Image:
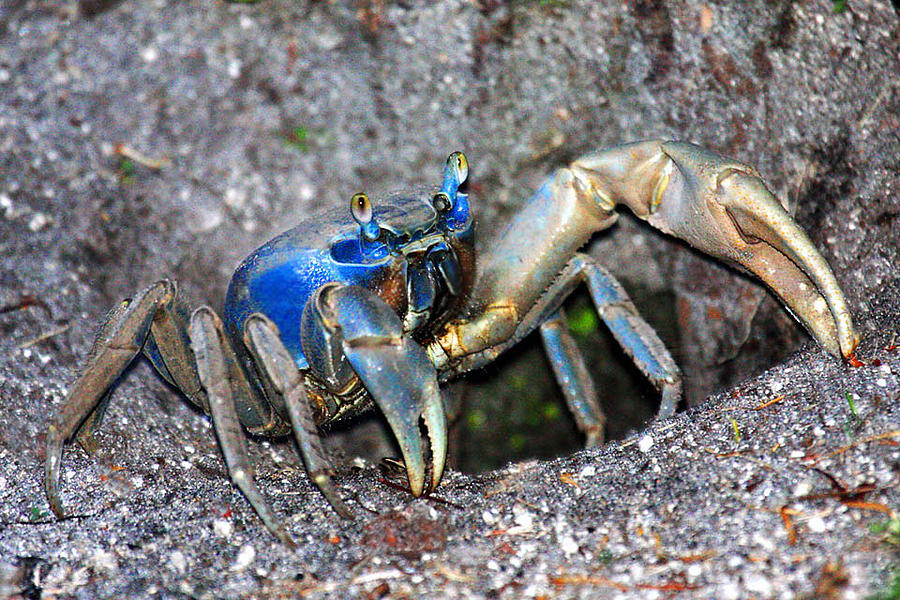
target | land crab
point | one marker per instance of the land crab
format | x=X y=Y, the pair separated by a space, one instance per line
x=385 y=303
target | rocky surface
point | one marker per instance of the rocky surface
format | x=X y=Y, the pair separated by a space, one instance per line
x=148 y=139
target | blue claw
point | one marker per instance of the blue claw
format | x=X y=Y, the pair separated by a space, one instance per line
x=397 y=374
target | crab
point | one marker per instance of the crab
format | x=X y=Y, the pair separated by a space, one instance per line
x=383 y=304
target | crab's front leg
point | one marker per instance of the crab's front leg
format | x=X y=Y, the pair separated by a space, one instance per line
x=724 y=208
x=531 y=269
x=718 y=206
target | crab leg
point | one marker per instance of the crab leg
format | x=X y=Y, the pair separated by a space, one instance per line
x=723 y=208
x=213 y=356
x=718 y=206
x=394 y=369
x=574 y=379
x=262 y=338
x=120 y=339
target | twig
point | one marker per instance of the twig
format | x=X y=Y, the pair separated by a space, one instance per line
x=44 y=336
x=880 y=436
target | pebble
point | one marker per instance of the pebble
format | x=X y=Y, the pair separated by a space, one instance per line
x=149 y=54
x=568 y=545
x=758 y=583
x=645 y=443
x=178 y=561
x=816 y=525
x=803 y=488
x=244 y=558
x=223 y=528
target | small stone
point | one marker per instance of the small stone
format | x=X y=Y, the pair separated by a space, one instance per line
x=244 y=558
x=568 y=545
x=759 y=584
x=38 y=221
x=803 y=488
x=223 y=528
x=178 y=561
x=234 y=68
x=104 y=561
x=524 y=520
x=645 y=443
x=816 y=525
x=149 y=54
x=729 y=591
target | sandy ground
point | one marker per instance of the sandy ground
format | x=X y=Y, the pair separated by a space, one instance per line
x=147 y=139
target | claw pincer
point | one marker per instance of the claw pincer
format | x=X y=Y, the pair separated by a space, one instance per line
x=380 y=305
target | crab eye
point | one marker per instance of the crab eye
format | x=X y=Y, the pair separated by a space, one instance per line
x=361 y=208
x=441 y=202
x=459 y=162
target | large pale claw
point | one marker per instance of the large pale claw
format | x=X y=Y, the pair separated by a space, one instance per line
x=399 y=377
x=723 y=208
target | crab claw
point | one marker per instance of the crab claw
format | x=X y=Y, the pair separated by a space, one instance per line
x=723 y=208
x=397 y=374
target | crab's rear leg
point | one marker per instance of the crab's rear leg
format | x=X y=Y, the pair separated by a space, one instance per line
x=633 y=333
x=220 y=376
x=119 y=340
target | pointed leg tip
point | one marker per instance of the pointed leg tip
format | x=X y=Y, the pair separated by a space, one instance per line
x=848 y=350
x=325 y=484
x=51 y=489
x=51 y=480
x=416 y=484
x=57 y=508
x=285 y=539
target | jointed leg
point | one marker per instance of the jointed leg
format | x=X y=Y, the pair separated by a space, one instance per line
x=573 y=377
x=210 y=347
x=262 y=339
x=120 y=339
x=636 y=337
